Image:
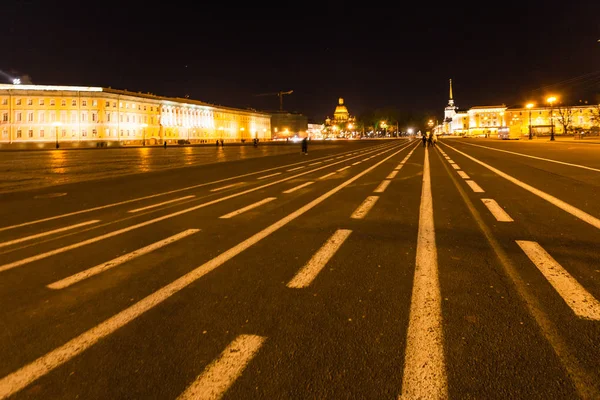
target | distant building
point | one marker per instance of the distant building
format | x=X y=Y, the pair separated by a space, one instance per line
x=92 y=116
x=288 y=125
x=342 y=121
x=315 y=131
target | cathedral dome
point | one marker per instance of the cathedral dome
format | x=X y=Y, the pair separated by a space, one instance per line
x=341 y=112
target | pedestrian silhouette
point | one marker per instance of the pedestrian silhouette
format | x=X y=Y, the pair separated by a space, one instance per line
x=305 y=146
x=424 y=139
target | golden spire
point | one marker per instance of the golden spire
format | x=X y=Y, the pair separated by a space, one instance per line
x=450 y=89
x=341 y=101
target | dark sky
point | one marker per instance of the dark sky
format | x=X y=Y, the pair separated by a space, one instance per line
x=374 y=57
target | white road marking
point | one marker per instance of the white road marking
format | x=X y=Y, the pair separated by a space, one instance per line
x=583 y=304
x=22 y=377
x=161 y=204
x=576 y=212
x=247 y=208
x=538 y=158
x=424 y=366
x=455 y=166
x=365 y=207
x=294 y=169
x=309 y=272
x=315 y=163
x=226 y=187
x=392 y=174
x=343 y=168
x=328 y=175
x=268 y=176
x=450 y=161
x=382 y=186
x=463 y=174
x=356 y=163
x=331 y=159
x=292 y=190
x=366 y=159
x=115 y=262
x=47 y=233
x=218 y=377
x=473 y=185
x=497 y=211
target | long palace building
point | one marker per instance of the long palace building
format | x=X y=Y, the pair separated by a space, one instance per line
x=96 y=116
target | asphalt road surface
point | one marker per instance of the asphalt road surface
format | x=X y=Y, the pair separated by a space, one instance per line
x=363 y=270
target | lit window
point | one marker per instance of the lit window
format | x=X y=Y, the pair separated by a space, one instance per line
x=4 y=134
x=30 y=117
x=84 y=133
x=63 y=102
x=64 y=133
x=94 y=103
x=19 y=133
x=4 y=117
x=18 y=102
x=73 y=102
x=19 y=117
x=29 y=102
x=52 y=102
x=4 y=102
x=94 y=133
x=107 y=104
x=41 y=133
x=84 y=103
x=41 y=102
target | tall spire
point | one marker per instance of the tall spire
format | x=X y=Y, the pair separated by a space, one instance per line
x=451 y=101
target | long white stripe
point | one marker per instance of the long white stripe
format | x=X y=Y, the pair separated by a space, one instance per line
x=365 y=207
x=382 y=186
x=424 y=366
x=161 y=204
x=247 y=208
x=497 y=211
x=47 y=233
x=583 y=304
x=268 y=176
x=576 y=212
x=19 y=379
x=392 y=175
x=309 y=272
x=327 y=175
x=292 y=190
x=223 y=372
x=537 y=158
x=115 y=262
x=473 y=185
x=41 y=256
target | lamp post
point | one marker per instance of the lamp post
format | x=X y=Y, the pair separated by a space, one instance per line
x=551 y=100
x=144 y=126
x=57 y=124
x=529 y=106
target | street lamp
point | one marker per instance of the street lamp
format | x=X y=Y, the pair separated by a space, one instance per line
x=529 y=106
x=551 y=100
x=57 y=124
x=144 y=126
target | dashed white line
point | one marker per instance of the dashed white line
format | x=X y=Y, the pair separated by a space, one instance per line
x=226 y=187
x=316 y=163
x=474 y=186
x=455 y=166
x=424 y=366
x=328 y=175
x=463 y=174
x=71 y=280
x=497 y=211
x=247 y=208
x=47 y=233
x=297 y=168
x=356 y=163
x=365 y=207
x=392 y=174
x=161 y=204
x=218 y=377
x=382 y=186
x=292 y=190
x=583 y=304
x=268 y=176
x=309 y=272
x=343 y=168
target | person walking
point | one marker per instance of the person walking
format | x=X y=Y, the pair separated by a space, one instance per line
x=434 y=139
x=305 y=146
x=424 y=139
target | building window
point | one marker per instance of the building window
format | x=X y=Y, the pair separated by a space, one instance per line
x=52 y=102
x=4 y=102
x=73 y=117
x=18 y=102
x=4 y=134
x=41 y=102
x=84 y=133
x=94 y=132
x=29 y=102
x=73 y=133
x=63 y=103
x=83 y=117
x=18 y=134
x=29 y=117
x=64 y=133
x=107 y=104
x=107 y=117
x=4 y=117
x=94 y=103
x=121 y=132
x=84 y=103
x=19 y=117
x=94 y=117
x=41 y=133
x=52 y=116
x=73 y=103
x=41 y=116
x=114 y=104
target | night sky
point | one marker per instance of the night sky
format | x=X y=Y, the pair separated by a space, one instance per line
x=399 y=57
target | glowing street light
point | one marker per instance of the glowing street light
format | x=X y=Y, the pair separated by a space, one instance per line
x=530 y=106
x=16 y=81
x=551 y=100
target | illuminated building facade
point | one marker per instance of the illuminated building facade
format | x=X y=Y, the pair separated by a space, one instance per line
x=342 y=120
x=105 y=116
x=287 y=125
